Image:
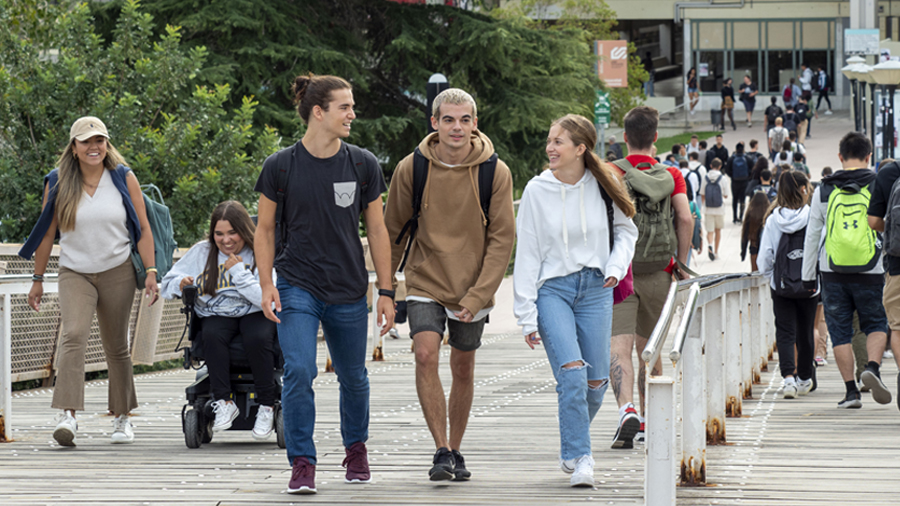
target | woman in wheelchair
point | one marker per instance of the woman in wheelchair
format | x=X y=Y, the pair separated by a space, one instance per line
x=228 y=301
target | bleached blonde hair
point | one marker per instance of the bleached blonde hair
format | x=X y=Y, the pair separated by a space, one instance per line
x=453 y=96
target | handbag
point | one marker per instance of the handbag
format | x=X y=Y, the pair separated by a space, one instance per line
x=163 y=238
x=728 y=104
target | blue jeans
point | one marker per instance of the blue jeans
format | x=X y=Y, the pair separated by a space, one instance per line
x=346 y=335
x=575 y=323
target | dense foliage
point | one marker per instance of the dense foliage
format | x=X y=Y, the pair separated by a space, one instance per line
x=179 y=136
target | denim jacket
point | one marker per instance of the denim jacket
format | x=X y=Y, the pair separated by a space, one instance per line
x=43 y=224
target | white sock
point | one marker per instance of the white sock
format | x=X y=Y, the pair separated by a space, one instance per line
x=789 y=381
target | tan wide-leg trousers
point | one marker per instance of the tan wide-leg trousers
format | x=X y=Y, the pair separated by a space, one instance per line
x=111 y=295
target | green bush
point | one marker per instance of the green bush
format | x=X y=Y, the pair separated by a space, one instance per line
x=174 y=133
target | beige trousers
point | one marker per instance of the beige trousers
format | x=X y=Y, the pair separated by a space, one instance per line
x=801 y=131
x=111 y=295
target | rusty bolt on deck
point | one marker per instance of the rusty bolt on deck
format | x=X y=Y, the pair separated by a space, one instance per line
x=748 y=391
x=691 y=479
x=2 y=430
x=329 y=367
x=378 y=354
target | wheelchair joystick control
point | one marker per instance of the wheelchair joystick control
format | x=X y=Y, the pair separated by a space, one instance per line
x=188 y=298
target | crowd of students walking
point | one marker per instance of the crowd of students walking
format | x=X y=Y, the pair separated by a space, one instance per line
x=598 y=245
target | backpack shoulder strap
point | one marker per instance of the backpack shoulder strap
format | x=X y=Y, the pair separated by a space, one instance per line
x=486 y=185
x=609 y=214
x=284 y=162
x=825 y=190
x=420 y=176
x=358 y=161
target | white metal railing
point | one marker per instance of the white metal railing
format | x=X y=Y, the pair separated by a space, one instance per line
x=722 y=342
x=29 y=339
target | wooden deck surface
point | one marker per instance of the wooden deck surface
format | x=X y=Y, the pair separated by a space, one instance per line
x=796 y=452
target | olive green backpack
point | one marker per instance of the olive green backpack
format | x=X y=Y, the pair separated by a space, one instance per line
x=651 y=191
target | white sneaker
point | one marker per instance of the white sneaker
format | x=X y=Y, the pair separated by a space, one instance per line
x=265 y=422
x=225 y=412
x=790 y=388
x=828 y=112
x=584 y=472
x=567 y=466
x=123 y=431
x=804 y=386
x=64 y=434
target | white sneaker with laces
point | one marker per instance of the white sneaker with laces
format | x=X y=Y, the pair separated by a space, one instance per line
x=804 y=386
x=225 y=412
x=123 y=431
x=584 y=472
x=265 y=422
x=790 y=388
x=64 y=434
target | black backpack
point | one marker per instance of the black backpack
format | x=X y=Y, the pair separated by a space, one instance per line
x=788 y=273
x=285 y=163
x=740 y=168
x=420 y=176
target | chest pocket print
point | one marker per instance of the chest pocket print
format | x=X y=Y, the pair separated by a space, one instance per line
x=344 y=194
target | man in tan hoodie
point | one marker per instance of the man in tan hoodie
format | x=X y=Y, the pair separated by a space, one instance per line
x=456 y=261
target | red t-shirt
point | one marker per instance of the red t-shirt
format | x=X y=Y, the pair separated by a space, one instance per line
x=680 y=185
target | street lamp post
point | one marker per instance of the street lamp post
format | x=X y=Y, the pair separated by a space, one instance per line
x=887 y=74
x=869 y=78
x=849 y=72
x=436 y=84
x=861 y=72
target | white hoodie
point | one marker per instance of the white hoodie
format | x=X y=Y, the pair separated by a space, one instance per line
x=781 y=221
x=237 y=294
x=562 y=229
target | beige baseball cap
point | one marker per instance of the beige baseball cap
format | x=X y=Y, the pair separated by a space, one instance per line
x=87 y=127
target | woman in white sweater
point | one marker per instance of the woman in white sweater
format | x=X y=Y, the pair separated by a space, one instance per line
x=228 y=302
x=575 y=241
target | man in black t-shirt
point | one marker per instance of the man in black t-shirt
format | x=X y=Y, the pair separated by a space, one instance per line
x=772 y=113
x=321 y=270
x=881 y=195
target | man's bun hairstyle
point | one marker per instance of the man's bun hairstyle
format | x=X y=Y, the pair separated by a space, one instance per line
x=311 y=90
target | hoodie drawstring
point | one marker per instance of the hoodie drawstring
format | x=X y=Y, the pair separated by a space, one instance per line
x=562 y=191
x=583 y=219
x=565 y=227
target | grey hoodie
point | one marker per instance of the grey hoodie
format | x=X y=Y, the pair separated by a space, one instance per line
x=781 y=221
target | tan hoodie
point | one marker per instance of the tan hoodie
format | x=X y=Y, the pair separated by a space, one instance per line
x=454 y=259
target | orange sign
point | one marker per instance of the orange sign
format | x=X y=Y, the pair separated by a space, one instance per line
x=612 y=62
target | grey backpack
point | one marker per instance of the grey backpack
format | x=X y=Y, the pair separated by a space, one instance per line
x=892 y=222
x=651 y=191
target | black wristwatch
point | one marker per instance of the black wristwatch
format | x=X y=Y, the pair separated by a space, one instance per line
x=387 y=293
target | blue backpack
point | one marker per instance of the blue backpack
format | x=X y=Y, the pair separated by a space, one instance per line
x=713 y=192
x=740 y=169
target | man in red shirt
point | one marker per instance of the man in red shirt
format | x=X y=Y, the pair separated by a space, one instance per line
x=635 y=317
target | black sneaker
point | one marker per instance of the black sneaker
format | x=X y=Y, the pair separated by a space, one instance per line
x=853 y=400
x=629 y=425
x=443 y=465
x=459 y=469
x=872 y=379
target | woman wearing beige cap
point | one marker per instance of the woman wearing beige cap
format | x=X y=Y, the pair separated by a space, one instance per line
x=95 y=204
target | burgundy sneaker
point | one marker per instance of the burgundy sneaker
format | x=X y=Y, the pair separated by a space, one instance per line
x=357 y=464
x=303 y=477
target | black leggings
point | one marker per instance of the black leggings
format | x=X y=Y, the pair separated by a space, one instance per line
x=794 y=323
x=738 y=192
x=259 y=334
x=823 y=94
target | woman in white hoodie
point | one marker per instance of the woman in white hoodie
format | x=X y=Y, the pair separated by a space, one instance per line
x=229 y=303
x=575 y=241
x=781 y=260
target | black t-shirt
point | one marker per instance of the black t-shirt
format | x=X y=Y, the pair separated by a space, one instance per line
x=322 y=253
x=746 y=90
x=800 y=111
x=881 y=194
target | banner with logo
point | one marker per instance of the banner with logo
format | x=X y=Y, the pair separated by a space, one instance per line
x=612 y=62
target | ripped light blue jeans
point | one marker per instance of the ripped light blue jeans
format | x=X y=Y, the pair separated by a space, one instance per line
x=575 y=323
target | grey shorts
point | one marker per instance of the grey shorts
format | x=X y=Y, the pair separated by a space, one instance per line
x=431 y=317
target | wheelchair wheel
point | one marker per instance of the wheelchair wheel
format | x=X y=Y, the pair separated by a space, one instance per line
x=193 y=436
x=207 y=435
x=279 y=428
